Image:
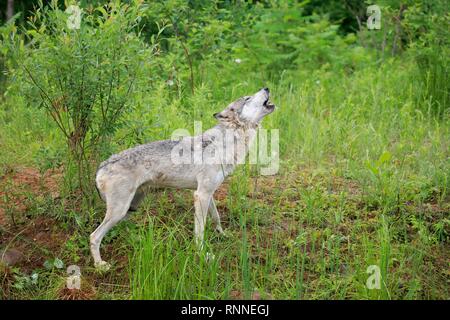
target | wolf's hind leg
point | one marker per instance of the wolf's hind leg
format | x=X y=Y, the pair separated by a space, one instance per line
x=117 y=203
x=137 y=199
x=215 y=216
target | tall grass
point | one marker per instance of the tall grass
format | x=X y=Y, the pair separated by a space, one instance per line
x=168 y=266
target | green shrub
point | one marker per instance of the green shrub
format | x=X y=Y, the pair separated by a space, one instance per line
x=85 y=78
x=10 y=44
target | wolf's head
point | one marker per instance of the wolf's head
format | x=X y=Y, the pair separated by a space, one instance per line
x=248 y=110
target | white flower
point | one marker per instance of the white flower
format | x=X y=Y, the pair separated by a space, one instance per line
x=169 y=82
x=237 y=60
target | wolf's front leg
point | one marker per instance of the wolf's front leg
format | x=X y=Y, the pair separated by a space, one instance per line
x=202 y=199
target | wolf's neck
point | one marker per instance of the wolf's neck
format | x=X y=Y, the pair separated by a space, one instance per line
x=236 y=123
x=237 y=127
x=245 y=133
x=241 y=139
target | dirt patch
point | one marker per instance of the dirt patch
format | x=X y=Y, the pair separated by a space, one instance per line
x=221 y=193
x=40 y=240
x=18 y=184
x=85 y=292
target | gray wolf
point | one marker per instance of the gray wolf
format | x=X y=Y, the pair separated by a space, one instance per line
x=125 y=178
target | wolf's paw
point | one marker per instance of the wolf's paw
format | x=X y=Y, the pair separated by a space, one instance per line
x=222 y=233
x=102 y=266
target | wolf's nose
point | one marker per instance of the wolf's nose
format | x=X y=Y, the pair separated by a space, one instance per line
x=266 y=89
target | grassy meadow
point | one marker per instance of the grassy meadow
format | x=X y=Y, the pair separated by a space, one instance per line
x=363 y=178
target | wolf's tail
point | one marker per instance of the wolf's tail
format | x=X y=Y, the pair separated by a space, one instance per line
x=98 y=191
x=96 y=186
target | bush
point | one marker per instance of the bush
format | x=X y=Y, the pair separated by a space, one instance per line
x=9 y=42
x=85 y=78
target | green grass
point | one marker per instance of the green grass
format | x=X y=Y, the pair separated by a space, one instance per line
x=364 y=180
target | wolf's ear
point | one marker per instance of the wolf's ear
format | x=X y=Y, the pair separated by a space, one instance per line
x=218 y=115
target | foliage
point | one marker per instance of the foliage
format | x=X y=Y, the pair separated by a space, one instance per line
x=428 y=23
x=84 y=78
x=10 y=45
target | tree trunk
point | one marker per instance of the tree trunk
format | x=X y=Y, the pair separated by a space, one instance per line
x=9 y=9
